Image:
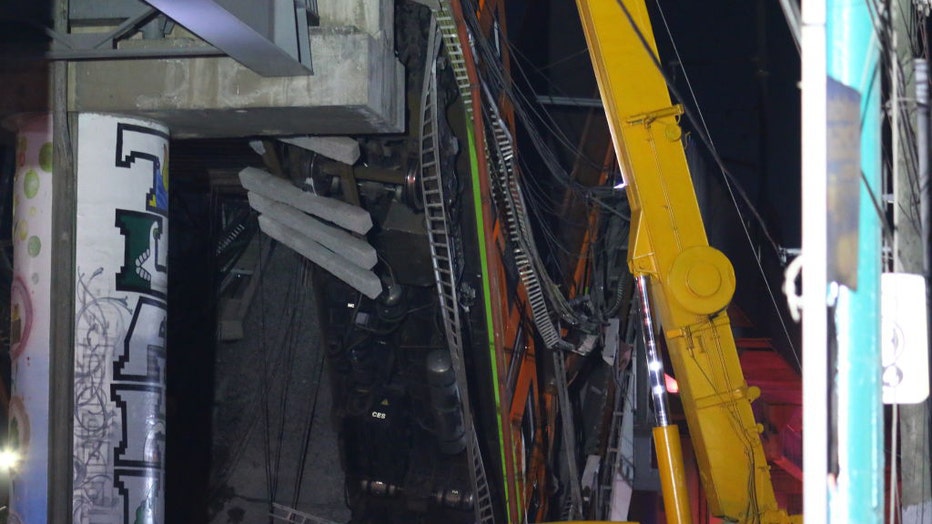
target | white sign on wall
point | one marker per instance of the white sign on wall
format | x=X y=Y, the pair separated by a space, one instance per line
x=904 y=335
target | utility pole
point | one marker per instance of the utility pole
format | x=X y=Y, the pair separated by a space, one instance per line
x=909 y=116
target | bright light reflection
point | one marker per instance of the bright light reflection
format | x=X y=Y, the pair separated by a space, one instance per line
x=9 y=459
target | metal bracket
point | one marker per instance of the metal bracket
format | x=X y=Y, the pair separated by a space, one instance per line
x=649 y=117
x=271 y=38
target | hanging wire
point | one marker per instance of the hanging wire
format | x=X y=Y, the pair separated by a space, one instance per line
x=567 y=58
x=264 y=384
x=545 y=116
x=705 y=136
x=906 y=107
x=894 y=454
x=294 y=302
x=308 y=428
x=925 y=453
x=529 y=111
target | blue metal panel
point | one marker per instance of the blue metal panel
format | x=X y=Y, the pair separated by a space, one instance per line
x=853 y=60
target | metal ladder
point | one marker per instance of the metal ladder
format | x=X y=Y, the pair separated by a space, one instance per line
x=500 y=154
x=435 y=215
x=451 y=43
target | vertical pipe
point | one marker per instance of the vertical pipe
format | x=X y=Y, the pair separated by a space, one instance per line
x=30 y=307
x=853 y=60
x=61 y=361
x=815 y=363
x=666 y=435
x=120 y=320
x=658 y=390
x=921 y=68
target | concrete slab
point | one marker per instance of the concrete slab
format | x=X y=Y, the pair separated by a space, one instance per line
x=341 y=148
x=374 y=17
x=357 y=88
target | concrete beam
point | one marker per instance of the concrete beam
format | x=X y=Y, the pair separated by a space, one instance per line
x=374 y=17
x=357 y=88
x=366 y=282
x=332 y=238
x=341 y=148
x=354 y=218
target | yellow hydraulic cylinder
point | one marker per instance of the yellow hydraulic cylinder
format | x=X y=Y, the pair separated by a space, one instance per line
x=672 y=474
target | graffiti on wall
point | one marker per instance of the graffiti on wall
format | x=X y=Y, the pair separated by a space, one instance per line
x=122 y=279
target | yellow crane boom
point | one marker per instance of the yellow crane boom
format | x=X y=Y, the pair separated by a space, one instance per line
x=691 y=283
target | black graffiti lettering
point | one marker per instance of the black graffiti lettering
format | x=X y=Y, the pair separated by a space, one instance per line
x=143 y=357
x=130 y=144
x=138 y=391
x=142 y=437
x=137 y=388
x=146 y=483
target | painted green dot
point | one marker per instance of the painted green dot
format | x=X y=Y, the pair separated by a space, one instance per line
x=22 y=230
x=31 y=183
x=45 y=157
x=34 y=246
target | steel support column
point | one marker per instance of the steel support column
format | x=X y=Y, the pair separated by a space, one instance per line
x=815 y=360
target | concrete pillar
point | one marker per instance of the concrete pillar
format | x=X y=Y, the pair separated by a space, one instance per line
x=120 y=319
x=30 y=299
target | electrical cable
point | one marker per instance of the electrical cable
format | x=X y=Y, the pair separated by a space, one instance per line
x=308 y=428
x=266 y=435
x=496 y=76
x=571 y=56
x=499 y=82
x=294 y=302
x=533 y=104
x=905 y=128
x=731 y=182
x=894 y=452
x=925 y=453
